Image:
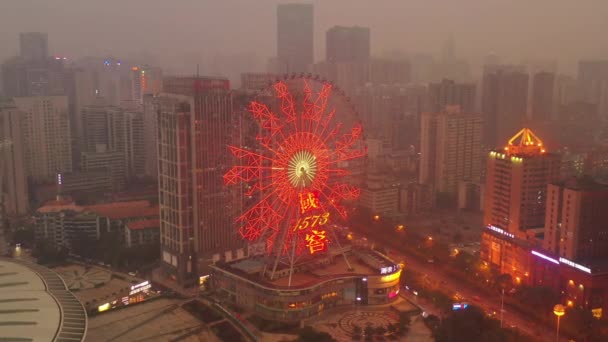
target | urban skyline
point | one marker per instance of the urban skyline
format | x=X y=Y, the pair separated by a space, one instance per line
x=311 y=182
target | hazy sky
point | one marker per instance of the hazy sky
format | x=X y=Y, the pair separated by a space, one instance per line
x=181 y=32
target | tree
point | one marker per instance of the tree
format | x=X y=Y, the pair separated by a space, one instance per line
x=504 y=281
x=380 y=330
x=405 y=320
x=309 y=334
x=369 y=330
x=392 y=328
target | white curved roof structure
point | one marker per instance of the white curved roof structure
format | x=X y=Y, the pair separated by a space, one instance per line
x=36 y=306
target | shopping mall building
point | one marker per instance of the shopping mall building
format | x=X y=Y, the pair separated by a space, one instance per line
x=345 y=277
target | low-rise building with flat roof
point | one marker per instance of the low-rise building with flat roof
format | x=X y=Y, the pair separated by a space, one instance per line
x=360 y=277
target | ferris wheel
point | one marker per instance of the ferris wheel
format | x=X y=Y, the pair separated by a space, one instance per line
x=299 y=173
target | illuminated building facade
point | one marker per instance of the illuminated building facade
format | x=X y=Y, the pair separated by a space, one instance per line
x=581 y=285
x=515 y=199
x=516 y=184
x=196 y=210
x=315 y=287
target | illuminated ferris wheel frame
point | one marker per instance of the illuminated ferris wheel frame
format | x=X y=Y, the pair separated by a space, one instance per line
x=296 y=171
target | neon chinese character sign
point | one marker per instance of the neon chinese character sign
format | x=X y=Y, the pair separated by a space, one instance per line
x=308 y=201
x=316 y=241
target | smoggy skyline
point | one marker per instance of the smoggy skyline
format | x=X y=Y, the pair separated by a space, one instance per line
x=177 y=35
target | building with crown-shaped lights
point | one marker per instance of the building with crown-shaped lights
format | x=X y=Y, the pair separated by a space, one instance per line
x=515 y=197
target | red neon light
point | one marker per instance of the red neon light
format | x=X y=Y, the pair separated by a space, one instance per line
x=308 y=201
x=311 y=221
x=317 y=241
x=288 y=128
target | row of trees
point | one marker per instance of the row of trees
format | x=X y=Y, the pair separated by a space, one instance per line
x=471 y=324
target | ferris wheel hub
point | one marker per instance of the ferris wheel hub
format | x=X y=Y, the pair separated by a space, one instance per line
x=302 y=169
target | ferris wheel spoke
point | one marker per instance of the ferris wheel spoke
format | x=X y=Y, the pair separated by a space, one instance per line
x=300 y=147
x=287 y=103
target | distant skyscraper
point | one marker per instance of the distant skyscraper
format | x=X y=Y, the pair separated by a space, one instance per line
x=295 y=37
x=450 y=149
x=448 y=92
x=111 y=129
x=46 y=136
x=347 y=44
x=593 y=84
x=13 y=178
x=543 y=84
x=150 y=136
x=504 y=102
x=113 y=163
x=33 y=46
x=575 y=225
x=389 y=71
x=196 y=210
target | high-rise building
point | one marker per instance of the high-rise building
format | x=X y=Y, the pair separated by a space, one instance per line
x=46 y=136
x=514 y=204
x=295 y=37
x=13 y=179
x=450 y=149
x=112 y=129
x=256 y=81
x=575 y=229
x=33 y=72
x=195 y=125
x=448 y=92
x=134 y=147
x=347 y=44
x=150 y=136
x=593 y=84
x=113 y=162
x=504 y=102
x=516 y=184
x=543 y=84
x=389 y=71
x=145 y=80
x=33 y=46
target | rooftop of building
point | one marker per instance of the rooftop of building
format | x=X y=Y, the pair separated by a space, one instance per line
x=39 y=306
x=587 y=184
x=113 y=210
x=311 y=273
x=525 y=143
x=123 y=210
x=144 y=224
x=59 y=204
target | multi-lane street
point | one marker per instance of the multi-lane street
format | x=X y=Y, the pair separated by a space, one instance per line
x=434 y=275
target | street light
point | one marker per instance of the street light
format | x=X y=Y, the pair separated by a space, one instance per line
x=559 y=311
